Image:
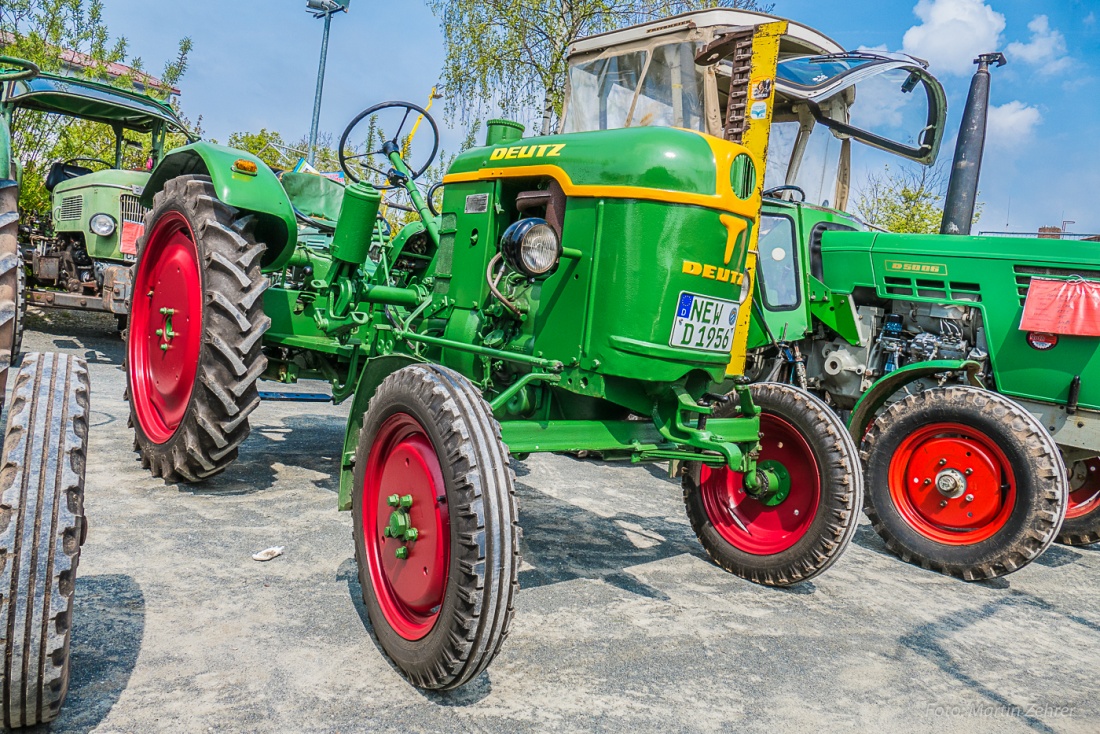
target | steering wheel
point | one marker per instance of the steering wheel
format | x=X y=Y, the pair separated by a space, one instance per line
x=24 y=69
x=89 y=160
x=388 y=145
x=770 y=193
x=430 y=198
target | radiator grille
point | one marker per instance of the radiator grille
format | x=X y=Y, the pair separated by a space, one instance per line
x=1025 y=273
x=132 y=210
x=71 y=207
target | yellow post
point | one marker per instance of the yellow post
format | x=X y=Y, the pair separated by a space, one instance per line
x=758 y=119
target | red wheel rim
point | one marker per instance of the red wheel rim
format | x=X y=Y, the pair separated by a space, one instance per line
x=1084 y=483
x=403 y=462
x=747 y=523
x=167 y=299
x=925 y=474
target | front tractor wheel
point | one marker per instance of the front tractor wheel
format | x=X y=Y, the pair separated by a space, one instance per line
x=196 y=322
x=436 y=526
x=963 y=481
x=1082 y=525
x=794 y=533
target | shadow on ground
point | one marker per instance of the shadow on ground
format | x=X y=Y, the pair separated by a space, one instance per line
x=108 y=627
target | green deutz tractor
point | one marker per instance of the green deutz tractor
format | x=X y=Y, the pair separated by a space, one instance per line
x=544 y=309
x=917 y=340
x=80 y=256
x=42 y=523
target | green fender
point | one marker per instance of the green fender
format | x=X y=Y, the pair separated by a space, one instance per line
x=374 y=372
x=259 y=193
x=876 y=397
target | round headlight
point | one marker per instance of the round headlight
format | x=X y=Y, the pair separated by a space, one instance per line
x=531 y=247
x=102 y=224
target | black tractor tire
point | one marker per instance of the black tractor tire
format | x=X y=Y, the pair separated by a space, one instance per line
x=476 y=605
x=12 y=300
x=835 y=515
x=230 y=360
x=1027 y=526
x=1083 y=529
x=42 y=527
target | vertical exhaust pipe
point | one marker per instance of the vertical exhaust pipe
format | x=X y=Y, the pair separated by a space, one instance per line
x=962 y=189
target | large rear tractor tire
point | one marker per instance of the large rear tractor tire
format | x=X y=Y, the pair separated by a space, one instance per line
x=42 y=527
x=436 y=526
x=12 y=301
x=1082 y=525
x=788 y=539
x=196 y=324
x=963 y=481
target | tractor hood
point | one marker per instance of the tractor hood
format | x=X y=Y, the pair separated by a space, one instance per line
x=656 y=164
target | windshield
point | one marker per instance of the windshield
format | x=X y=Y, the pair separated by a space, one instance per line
x=640 y=88
x=777 y=263
x=814 y=71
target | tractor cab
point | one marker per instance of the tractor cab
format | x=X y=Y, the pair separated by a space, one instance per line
x=78 y=255
x=824 y=97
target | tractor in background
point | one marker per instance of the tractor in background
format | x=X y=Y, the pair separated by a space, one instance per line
x=80 y=255
x=545 y=308
x=916 y=340
x=42 y=522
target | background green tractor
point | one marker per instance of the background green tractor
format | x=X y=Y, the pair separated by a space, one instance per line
x=42 y=523
x=916 y=338
x=79 y=256
x=527 y=316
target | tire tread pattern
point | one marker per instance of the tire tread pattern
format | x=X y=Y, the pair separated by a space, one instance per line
x=41 y=529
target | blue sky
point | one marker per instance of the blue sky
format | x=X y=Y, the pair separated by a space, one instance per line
x=254 y=65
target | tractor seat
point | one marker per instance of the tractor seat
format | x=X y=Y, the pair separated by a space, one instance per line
x=60 y=173
x=314 y=196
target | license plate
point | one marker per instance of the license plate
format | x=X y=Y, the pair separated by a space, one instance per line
x=129 y=258
x=703 y=323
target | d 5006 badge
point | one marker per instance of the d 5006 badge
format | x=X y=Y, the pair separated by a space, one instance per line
x=703 y=323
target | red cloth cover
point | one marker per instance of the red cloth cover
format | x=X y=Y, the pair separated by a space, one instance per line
x=1069 y=307
x=131 y=233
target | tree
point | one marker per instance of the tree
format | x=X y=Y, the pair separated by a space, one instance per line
x=909 y=200
x=45 y=31
x=514 y=52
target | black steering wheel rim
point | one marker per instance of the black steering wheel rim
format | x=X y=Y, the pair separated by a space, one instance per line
x=87 y=158
x=365 y=114
x=24 y=69
x=429 y=198
x=770 y=193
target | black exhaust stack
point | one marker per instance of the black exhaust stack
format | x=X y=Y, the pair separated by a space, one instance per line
x=962 y=189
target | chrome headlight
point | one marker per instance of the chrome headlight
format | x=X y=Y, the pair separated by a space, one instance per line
x=531 y=247
x=102 y=224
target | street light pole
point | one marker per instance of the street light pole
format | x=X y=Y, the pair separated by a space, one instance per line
x=327 y=8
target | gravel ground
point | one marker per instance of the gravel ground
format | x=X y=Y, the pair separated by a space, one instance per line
x=622 y=623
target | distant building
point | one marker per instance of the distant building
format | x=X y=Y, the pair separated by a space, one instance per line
x=75 y=63
x=1050 y=233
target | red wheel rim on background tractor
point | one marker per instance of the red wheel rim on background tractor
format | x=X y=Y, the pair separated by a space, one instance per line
x=1086 y=497
x=165 y=327
x=403 y=488
x=751 y=525
x=952 y=484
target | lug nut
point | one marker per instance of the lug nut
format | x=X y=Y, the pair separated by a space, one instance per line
x=412 y=534
x=943 y=503
x=393 y=500
x=167 y=311
x=943 y=461
x=164 y=347
x=968 y=472
x=969 y=498
x=402 y=553
x=927 y=482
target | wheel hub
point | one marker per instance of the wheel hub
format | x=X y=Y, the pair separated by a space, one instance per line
x=165 y=337
x=951 y=483
x=406 y=526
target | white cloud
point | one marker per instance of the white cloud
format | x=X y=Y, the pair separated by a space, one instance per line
x=1011 y=124
x=881 y=48
x=952 y=33
x=1090 y=19
x=1046 y=49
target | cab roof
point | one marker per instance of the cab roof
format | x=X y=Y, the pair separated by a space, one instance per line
x=799 y=39
x=90 y=100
